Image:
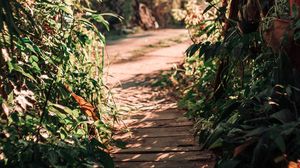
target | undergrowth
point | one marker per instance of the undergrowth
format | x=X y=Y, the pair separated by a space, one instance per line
x=55 y=109
x=243 y=94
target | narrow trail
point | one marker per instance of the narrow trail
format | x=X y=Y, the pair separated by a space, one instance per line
x=155 y=130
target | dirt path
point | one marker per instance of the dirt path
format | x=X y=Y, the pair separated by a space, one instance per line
x=134 y=45
x=156 y=132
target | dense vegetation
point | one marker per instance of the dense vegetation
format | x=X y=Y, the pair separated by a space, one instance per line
x=55 y=110
x=242 y=80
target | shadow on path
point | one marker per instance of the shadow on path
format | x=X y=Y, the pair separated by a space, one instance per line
x=157 y=133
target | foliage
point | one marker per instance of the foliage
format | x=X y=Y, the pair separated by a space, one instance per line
x=243 y=95
x=51 y=52
x=196 y=20
x=129 y=10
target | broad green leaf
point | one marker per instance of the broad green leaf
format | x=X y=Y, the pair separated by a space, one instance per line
x=64 y=109
x=96 y=143
x=229 y=164
x=10 y=98
x=216 y=144
x=279 y=141
x=256 y=132
x=19 y=69
x=192 y=50
x=283 y=115
x=53 y=157
x=100 y=19
x=105 y=159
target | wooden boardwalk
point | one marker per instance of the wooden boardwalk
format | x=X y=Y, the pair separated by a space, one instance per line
x=157 y=134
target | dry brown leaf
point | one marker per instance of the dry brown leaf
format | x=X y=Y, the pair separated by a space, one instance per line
x=85 y=106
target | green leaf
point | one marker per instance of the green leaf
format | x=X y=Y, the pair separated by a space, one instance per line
x=10 y=98
x=30 y=47
x=105 y=159
x=36 y=67
x=192 y=50
x=256 y=132
x=214 y=138
x=100 y=19
x=216 y=144
x=19 y=69
x=283 y=115
x=53 y=157
x=279 y=141
x=57 y=111
x=229 y=164
x=33 y=58
x=65 y=110
x=96 y=143
x=10 y=66
x=14 y=116
x=228 y=111
x=63 y=133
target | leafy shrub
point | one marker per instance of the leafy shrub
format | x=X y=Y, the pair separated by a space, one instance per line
x=243 y=95
x=55 y=109
x=196 y=20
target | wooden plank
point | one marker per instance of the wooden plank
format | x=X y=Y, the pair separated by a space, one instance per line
x=166 y=164
x=157 y=132
x=169 y=156
x=159 y=123
x=157 y=149
x=178 y=141
x=154 y=123
x=166 y=115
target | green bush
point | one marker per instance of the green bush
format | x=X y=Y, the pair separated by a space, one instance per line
x=50 y=50
x=243 y=95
